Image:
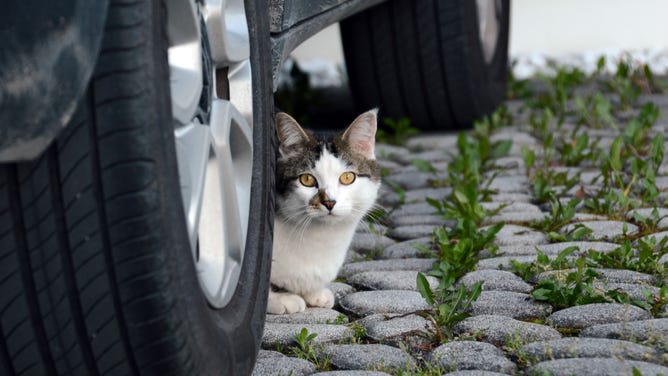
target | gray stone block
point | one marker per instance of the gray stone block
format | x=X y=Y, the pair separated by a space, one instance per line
x=511 y=304
x=421 y=208
x=415 y=179
x=596 y=367
x=411 y=232
x=583 y=316
x=509 y=184
x=554 y=248
x=366 y=242
x=418 y=264
x=364 y=357
x=351 y=373
x=472 y=355
x=578 y=347
x=607 y=275
x=647 y=213
x=340 y=289
x=498 y=329
x=497 y=280
x=280 y=365
x=312 y=315
x=519 y=235
x=387 y=301
x=412 y=331
x=419 y=195
x=422 y=219
x=407 y=248
x=284 y=334
x=397 y=280
x=604 y=230
x=653 y=331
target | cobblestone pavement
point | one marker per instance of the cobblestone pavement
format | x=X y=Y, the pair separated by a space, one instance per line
x=377 y=326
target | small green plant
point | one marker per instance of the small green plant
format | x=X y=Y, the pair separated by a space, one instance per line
x=395 y=132
x=560 y=215
x=304 y=348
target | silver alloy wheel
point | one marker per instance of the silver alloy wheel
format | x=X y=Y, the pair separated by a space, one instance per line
x=212 y=104
x=489 y=26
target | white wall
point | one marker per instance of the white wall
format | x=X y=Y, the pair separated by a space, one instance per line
x=557 y=27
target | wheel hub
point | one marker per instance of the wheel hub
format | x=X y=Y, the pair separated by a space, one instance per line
x=210 y=82
x=489 y=26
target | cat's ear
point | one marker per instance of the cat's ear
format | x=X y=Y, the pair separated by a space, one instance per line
x=361 y=134
x=290 y=133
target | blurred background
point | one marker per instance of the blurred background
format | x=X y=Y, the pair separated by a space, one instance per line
x=573 y=32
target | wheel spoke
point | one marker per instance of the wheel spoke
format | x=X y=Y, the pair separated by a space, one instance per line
x=227 y=30
x=192 y=149
x=185 y=59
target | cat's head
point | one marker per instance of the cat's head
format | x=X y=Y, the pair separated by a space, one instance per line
x=328 y=178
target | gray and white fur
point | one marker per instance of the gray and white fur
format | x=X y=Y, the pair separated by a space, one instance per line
x=325 y=186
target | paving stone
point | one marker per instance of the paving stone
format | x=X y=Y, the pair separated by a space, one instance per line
x=365 y=242
x=604 y=230
x=518 y=235
x=474 y=373
x=653 y=331
x=511 y=304
x=420 y=195
x=634 y=291
x=513 y=207
x=283 y=334
x=351 y=373
x=411 y=232
x=397 y=280
x=647 y=213
x=340 y=289
x=277 y=364
x=385 y=151
x=386 y=301
x=555 y=248
x=312 y=315
x=515 y=218
x=519 y=139
x=497 y=329
x=418 y=264
x=431 y=156
x=433 y=141
x=412 y=331
x=472 y=355
x=583 y=316
x=511 y=197
x=578 y=347
x=371 y=228
x=658 y=237
x=407 y=248
x=421 y=208
x=422 y=219
x=387 y=164
x=607 y=275
x=506 y=163
x=498 y=280
x=409 y=166
x=596 y=367
x=415 y=179
x=514 y=184
x=361 y=357
x=502 y=262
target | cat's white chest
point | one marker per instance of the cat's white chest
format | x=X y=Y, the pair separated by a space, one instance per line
x=307 y=260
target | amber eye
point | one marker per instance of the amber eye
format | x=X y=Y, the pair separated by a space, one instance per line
x=347 y=178
x=307 y=180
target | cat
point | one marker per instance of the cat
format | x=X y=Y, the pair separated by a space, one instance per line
x=325 y=185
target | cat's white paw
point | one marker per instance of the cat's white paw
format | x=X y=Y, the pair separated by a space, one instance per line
x=285 y=302
x=320 y=298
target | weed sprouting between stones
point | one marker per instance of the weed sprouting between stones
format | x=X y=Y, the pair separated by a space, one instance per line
x=458 y=246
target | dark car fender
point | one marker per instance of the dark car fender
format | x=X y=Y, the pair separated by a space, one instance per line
x=48 y=51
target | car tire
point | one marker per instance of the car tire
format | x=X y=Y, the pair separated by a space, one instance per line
x=426 y=60
x=96 y=269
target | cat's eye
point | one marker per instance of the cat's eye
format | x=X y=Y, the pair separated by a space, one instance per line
x=347 y=178
x=307 y=180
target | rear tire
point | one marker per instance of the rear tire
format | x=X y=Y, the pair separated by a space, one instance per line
x=425 y=60
x=96 y=272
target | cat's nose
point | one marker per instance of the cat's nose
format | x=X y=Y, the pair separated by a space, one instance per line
x=329 y=204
